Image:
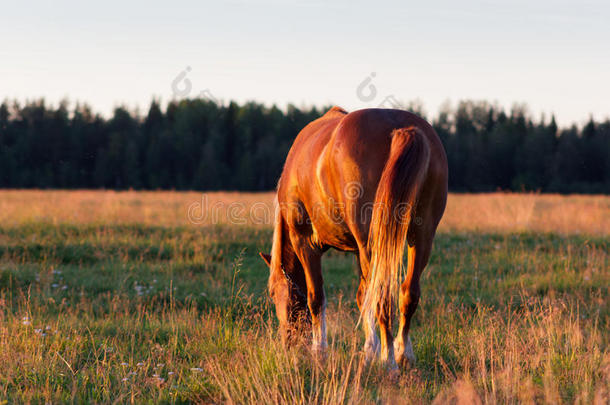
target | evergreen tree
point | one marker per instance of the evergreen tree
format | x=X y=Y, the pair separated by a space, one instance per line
x=197 y=144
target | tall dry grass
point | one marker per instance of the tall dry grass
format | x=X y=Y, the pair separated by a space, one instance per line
x=540 y=352
x=110 y=297
x=492 y=212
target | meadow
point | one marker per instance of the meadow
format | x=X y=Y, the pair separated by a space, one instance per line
x=159 y=297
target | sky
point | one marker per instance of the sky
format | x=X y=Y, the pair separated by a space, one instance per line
x=551 y=55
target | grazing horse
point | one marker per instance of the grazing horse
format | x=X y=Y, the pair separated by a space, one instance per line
x=372 y=182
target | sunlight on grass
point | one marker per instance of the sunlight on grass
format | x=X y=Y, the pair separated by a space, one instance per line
x=166 y=312
x=490 y=212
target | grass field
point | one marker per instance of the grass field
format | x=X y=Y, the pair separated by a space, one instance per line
x=160 y=297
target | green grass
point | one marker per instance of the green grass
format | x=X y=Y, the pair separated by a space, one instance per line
x=180 y=314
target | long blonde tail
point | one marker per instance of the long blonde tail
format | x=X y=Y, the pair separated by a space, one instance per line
x=395 y=202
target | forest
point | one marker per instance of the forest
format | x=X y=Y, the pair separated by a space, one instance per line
x=197 y=144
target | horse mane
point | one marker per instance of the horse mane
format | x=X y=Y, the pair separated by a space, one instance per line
x=276 y=247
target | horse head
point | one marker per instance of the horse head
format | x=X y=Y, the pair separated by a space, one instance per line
x=288 y=293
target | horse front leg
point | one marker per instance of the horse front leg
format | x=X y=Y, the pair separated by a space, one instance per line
x=311 y=260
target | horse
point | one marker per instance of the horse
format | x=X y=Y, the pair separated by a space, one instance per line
x=372 y=182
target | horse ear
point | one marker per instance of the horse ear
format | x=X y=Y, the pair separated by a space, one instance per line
x=266 y=258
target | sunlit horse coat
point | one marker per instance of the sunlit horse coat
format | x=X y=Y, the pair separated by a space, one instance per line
x=372 y=182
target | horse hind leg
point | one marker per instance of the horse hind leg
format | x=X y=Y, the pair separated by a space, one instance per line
x=418 y=255
x=371 y=342
x=374 y=346
x=384 y=318
x=408 y=301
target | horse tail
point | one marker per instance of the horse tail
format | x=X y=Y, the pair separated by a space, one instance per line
x=395 y=201
x=278 y=240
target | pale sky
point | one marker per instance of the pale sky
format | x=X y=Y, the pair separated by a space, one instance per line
x=552 y=55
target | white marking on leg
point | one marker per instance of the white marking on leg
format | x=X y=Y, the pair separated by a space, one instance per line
x=399 y=343
x=399 y=346
x=403 y=351
x=319 y=331
x=387 y=356
x=409 y=354
x=371 y=344
x=323 y=337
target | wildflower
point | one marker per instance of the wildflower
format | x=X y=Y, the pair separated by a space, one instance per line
x=197 y=369
x=124 y=364
x=140 y=364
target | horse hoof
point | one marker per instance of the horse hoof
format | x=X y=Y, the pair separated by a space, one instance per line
x=405 y=363
x=404 y=355
x=393 y=374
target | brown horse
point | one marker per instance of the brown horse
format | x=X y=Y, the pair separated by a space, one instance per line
x=369 y=182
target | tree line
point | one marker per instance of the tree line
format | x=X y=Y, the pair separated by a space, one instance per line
x=196 y=144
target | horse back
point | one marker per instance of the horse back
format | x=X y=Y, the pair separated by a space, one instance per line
x=333 y=169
